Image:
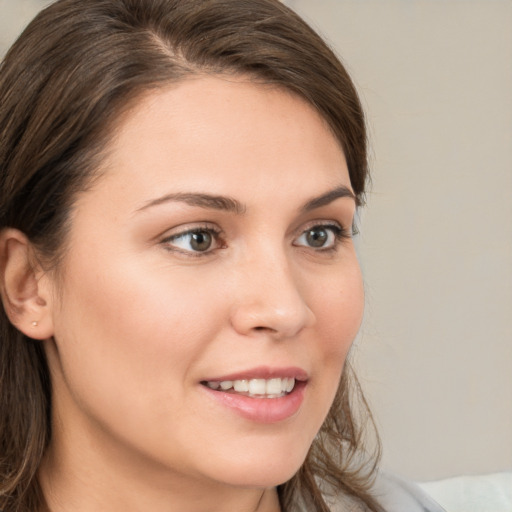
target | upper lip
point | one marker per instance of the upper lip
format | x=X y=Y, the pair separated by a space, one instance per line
x=263 y=372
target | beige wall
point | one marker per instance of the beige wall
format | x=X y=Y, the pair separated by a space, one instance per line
x=436 y=246
x=14 y=15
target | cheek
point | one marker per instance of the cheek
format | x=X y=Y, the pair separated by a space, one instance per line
x=339 y=307
x=130 y=351
x=138 y=317
x=127 y=347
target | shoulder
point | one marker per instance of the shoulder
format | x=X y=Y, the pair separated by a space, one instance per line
x=398 y=495
x=394 y=494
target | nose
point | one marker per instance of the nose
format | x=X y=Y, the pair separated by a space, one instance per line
x=268 y=299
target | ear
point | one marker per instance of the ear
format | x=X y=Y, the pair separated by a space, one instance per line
x=24 y=286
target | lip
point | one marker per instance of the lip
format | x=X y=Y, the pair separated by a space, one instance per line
x=263 y=372
x=260 y=409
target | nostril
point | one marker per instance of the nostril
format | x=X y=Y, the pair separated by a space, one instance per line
x=261 y=328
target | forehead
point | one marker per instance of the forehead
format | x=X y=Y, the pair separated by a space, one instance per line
x=224 y=132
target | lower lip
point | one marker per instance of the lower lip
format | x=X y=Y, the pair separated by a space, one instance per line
x=262 y=410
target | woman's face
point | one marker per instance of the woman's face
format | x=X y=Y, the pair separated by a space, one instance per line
x=214 y=252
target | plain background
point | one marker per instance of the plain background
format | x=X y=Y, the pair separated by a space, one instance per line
x=435 y=350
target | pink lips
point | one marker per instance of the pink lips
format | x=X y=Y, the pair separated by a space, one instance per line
x=262 y=410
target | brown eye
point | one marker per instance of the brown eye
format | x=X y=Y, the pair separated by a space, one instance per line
x=316 y=237
x=321 y=237
x=201 y=241
x=198 y=240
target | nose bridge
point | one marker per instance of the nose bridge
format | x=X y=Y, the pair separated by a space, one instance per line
x=269 y=296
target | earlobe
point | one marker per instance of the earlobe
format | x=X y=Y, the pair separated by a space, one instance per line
x=24 y=296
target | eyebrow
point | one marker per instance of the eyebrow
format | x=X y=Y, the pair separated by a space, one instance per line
x=229 y=204
x=329 y=197
x=211 y=202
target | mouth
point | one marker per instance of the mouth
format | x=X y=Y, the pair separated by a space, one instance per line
x=263 y=395
x=276 y=387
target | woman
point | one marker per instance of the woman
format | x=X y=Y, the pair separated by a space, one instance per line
x=180 y=288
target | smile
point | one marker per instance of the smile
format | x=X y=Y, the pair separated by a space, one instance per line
x=262 y=394
x=257 y=388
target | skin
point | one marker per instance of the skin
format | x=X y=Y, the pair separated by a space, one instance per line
x=136 y=319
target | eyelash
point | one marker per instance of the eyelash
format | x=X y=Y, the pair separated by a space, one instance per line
x=338 y=232
x=215 y=233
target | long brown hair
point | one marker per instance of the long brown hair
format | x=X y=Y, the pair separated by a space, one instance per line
x=63 y=84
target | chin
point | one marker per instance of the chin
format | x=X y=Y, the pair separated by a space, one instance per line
x=263 y=472
x=264 y=479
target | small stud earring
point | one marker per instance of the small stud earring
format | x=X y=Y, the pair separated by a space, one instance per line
x=35 y=324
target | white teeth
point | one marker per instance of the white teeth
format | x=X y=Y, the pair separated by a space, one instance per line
x=274 y=386
x=269 y=388
x=242 y=386
x=226 y=384
x=257 y=386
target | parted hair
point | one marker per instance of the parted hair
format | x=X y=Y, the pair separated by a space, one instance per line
x=63 y=85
